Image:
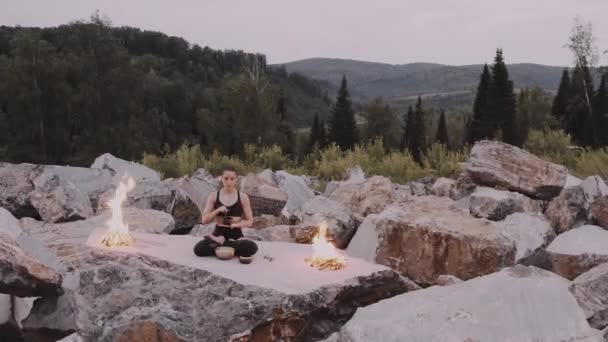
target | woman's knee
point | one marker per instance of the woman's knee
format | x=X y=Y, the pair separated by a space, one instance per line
x=246 y=247
x=205 y=248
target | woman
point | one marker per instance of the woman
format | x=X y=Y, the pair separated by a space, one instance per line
x=227 y=206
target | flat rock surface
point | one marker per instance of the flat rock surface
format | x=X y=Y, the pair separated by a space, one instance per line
x=287 y=272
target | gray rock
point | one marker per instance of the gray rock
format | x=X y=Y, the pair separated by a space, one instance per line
x=530 y=232
x=9 y=225
x=53 y=315
x=118 y=292
x=443 y=187
x=425 y=238
x=591 y=292
x=578 y=250
x=264 y=198
x=145 y=195
x=495 y=204
x=447 y=280
x=572 y=208
x=363 y=198
x=500 y=304
x=297 y=189
x=59 y=200
x=15 y=188
x=341 y=222
x=190 y=197
x=499 y=165
x=568 y=210
x=119 y=167
x=23 y=275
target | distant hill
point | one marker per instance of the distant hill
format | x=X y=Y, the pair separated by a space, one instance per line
x=395 y=82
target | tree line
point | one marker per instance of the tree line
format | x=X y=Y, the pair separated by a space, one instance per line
x=72 y=92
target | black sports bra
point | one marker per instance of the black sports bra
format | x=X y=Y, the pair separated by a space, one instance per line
x=235 y=209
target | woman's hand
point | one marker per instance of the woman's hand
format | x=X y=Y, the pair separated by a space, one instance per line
x=222 y=209
x=219 y=239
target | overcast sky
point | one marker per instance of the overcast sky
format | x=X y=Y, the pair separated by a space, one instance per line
x=453 y=32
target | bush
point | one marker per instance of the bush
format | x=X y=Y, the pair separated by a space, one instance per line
x=592 y=162
x=442 y=162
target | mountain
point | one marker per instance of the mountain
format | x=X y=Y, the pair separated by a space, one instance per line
x=396 y=82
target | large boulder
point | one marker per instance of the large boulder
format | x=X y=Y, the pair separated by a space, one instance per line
x=91 y=182
x=599 y=211
x=24 y=276
x=119 y=167
x=426 y=238
x=341 y=222
x=12 y=311
x=297 y=189
x=530 y=232
x=190 y=197
x=9 y=225
x=500 y=165
x=591 y=292
x=59 y=200
x=500 y=306
x=145 y=195
x=443 y=187
x=52 y=317
x=572 y=207
x=277 y=297
x=15 y=189
x=264 y=198
x=578 y=250
x=265 y=221
x=363 y=198
x=495 y=204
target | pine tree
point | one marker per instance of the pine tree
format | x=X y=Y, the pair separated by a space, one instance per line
x=502 y=102
x=314 y=133
x=560 y=102
x=322 y=135
x=522 y=121
x=600 y=111
x=408 y=129
x=418 y=133
x=286 y=135
x=442 y=131
x=480 y=127
x=343 y=129
x=578 y=112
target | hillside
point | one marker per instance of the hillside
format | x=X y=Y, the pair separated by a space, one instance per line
x=71 y=92
x=369 y=79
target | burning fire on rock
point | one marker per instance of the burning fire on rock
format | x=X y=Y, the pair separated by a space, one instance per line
x=325 y=255
x=118 y=231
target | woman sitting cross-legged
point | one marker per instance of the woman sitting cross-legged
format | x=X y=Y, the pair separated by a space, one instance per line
x=228 y=219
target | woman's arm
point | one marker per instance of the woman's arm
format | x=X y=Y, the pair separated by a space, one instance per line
x=208 y=213
x=248 y=221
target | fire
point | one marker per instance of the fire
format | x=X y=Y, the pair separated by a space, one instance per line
x=118 y=232
x=324 y=253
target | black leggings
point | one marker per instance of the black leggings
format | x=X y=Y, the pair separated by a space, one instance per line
x=241 y=247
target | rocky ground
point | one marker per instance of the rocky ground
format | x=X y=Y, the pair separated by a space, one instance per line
x=514 y=249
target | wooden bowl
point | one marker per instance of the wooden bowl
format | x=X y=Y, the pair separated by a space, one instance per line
x=224 y=252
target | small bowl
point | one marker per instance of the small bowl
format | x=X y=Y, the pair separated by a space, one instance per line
x=245 y=260
x=224 y=252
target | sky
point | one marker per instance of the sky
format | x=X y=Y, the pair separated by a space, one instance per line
x=455 y=32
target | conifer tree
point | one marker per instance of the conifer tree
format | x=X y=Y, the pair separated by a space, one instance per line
x=502 y=104
x=479 y=126
x=418 y=133
x=600 y=113
x=408 y=129
x=314 y=133
x=560 y=102
x=343 y=130
x=322 y=135
x=442 y=131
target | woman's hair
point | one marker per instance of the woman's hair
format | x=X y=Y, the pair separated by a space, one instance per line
x=229 y=168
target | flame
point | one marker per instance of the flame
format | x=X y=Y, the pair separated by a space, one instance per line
x=118 y=231
x=324 y=253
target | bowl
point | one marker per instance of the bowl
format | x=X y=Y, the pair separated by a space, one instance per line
x=224 y=252
x=245 y=260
